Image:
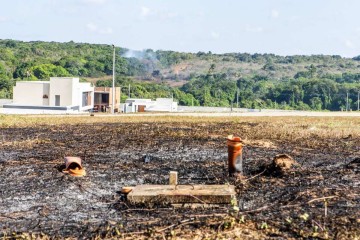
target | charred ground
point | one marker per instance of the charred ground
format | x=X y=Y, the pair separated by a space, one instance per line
x=319 y=199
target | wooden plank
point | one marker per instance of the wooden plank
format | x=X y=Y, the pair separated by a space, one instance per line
x=197 y=205
x=163 y=194
x=173 y=178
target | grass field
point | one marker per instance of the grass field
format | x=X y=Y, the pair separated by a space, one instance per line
x=319 y=199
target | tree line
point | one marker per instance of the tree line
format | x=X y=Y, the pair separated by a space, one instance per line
x=320 y=83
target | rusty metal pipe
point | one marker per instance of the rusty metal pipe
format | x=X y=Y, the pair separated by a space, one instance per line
x=74 y=167
x=234 y=155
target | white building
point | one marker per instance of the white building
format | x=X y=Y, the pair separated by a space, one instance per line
x=147 y=105
x=60 y=93
x=162 y=105
x=135 y=105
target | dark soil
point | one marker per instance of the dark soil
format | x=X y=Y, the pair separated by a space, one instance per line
x=320 y=198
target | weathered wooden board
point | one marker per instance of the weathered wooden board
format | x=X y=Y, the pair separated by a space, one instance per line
x=173 y=178
x=205 y=194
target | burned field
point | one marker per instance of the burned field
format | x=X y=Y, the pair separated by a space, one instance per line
x=319 y=198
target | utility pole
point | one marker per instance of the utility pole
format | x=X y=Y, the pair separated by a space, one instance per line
x=129 y=90
x=237 y=98
x=347 y=101
x=113 y=83
x=172 y=100
x=358 y=99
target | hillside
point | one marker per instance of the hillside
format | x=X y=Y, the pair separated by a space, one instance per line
x=246 y=65
x=251 y=80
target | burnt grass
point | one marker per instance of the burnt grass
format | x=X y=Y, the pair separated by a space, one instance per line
x=319 y=199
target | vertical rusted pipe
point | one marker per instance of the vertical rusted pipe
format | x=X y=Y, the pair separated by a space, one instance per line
x=234 y=155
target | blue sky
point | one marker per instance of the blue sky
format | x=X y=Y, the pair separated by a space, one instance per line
x=284 y=27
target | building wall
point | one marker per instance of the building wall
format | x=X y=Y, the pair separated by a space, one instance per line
x=65 y=88
x=46 y=93
x=31 y=93
x=81 y=88
x=70 y=91
x=160 y=105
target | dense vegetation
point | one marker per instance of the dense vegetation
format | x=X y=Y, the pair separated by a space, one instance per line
x=315 y=82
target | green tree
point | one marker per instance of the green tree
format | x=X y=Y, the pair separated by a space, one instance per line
x=316 y=103
x=3 y=72
x=45 y=71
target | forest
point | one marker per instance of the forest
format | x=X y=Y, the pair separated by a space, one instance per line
x=316 y=82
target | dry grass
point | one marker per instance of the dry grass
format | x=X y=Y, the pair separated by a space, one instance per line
x=260 y=127
x=266 y=132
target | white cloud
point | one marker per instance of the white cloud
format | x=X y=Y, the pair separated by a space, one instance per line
x=92 y=27
x=294 y=18
x=168 y=15
x=349 y=43
x=200 y=14
x=253 y=29
x=215 y=35
x=275 y=13
x=145 y=11
x=163 y=15
x=94 y=1
x=107 y=30
x=96 y=29
x=3 y=19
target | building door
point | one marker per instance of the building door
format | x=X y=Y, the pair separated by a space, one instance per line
x=141 y=108
x=57 y=100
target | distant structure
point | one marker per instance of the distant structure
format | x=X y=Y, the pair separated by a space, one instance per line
x=103 y=99
x=60 y=93
x=147 y=105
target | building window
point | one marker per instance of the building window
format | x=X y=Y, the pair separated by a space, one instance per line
x=86 y=99
x=105 y=98
x=101 y=98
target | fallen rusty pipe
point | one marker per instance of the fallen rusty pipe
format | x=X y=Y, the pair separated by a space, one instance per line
x=73 y=167
x=234 y=155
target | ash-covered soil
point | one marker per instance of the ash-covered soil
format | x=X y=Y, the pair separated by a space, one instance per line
x=319 y=199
